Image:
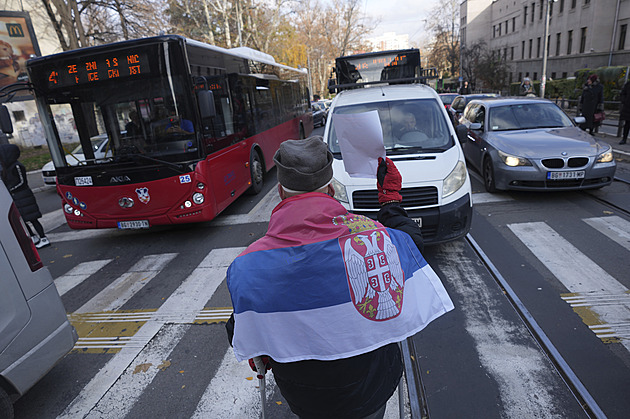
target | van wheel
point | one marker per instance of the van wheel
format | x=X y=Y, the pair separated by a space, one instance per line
x=488 y=175
x=6 y=407
x=256 y=172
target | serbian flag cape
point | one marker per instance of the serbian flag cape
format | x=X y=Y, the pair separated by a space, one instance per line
x=326 y=284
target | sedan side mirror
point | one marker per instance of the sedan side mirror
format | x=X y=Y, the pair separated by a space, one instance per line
x=579 y=119
x=475 y=126
x=462 y=133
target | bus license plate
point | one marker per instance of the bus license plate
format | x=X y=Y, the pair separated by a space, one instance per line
x=129 y=225
x=565 y=175
x=418 y=221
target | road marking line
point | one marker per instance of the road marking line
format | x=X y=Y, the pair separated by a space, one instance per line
x=116 y=294
x=488 y=198
x=615 y=227
x=190 y=297
x=259 y=214
x=578 y=273
x=78 y=274
x=525 y=379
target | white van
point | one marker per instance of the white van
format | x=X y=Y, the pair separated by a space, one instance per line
x=421 y=141
x=34 y=329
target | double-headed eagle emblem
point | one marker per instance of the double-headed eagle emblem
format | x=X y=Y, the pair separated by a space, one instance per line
x=374 y=274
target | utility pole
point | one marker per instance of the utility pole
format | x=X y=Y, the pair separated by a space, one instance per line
x=546 y=49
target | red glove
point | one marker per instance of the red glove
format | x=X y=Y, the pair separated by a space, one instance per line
x=266 y=361
x=389 y=181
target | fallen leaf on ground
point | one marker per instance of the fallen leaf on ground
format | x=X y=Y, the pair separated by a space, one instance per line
x=142 y=368
x=164 y=365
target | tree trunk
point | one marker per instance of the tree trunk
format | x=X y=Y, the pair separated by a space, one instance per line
x=56 y=25
x=209 y=33
x=77 y=22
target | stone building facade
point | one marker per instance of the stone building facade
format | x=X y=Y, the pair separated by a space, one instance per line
x=582 y=34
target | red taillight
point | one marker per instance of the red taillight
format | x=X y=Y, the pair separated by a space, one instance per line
x=26 y=244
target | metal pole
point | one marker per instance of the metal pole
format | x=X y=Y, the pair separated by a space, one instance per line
x=545 y=51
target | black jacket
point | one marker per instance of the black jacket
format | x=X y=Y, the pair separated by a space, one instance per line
x=625 y=102
x=592 y=97
x=14 y=177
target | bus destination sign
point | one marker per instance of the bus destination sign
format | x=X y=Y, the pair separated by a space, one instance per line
x=94 y=68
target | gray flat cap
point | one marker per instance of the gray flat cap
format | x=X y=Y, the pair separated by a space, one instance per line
x=304 y=165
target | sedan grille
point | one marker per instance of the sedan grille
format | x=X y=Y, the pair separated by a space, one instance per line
x=412 y=197
x=560 y=163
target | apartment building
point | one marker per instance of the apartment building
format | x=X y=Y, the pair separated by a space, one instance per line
x=582 y=34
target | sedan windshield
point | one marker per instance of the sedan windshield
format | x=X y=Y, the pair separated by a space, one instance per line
x=527 y=116
x=408 y=126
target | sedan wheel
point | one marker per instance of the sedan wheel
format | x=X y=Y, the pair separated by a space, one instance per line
x=488 y=175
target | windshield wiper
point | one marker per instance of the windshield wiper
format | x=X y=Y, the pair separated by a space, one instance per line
x=168 y=163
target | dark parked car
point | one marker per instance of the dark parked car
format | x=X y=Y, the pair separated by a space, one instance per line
x=447 y=99
x=460 y=102
x=319 y=114
x=527 y=143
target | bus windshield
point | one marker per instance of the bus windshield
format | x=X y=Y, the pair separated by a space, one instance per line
x=147 y=116
x=409 y=126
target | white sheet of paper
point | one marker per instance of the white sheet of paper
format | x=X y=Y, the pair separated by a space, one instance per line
x=360 y=139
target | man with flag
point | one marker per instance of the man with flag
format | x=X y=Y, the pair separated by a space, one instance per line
x=327 y=294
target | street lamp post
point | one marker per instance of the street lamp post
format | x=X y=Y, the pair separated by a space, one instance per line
x=546 y=49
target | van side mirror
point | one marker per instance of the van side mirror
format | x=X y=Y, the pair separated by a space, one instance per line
x=5 y=120
x=205 y=99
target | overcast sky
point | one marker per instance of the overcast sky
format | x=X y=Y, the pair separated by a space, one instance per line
x=400 y=16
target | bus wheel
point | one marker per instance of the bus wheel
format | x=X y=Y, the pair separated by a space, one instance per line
x=256 y=171
x=6 y=407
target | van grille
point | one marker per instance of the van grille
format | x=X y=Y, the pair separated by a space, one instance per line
x=412 y=197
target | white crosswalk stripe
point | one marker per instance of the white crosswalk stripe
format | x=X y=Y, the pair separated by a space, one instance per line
x=577 y=272
x=78 y=274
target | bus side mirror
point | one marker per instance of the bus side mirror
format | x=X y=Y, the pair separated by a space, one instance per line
x=5 y=120
x=205 y=99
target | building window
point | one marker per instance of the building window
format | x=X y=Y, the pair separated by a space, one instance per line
x=587 y=2
x=525 y=15
x=551 y=8
x=558 y=38
x=527 y=74
x=522 y=51
x=510 y=78
x=540 y=6
x=531 y=43
x=538 y=48
x=553 y=75
x=499 y=29
x=573 y=3
x=622 y=36
x=494 y=31
x=513 y=24
x=511 y=53
x=582 y=40
x=569 y=42
x=505 y=54
x=19 y=116
x=533 y=11
x=520 y=76
x=564 y=75
x=561 y=6
x=507 y=29
x=535 y=76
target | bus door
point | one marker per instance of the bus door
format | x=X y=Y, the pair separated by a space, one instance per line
x=223 y=143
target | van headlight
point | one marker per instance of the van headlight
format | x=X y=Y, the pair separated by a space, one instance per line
x=340 y=191
x=454 y=180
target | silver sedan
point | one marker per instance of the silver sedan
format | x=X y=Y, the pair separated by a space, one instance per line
x=531 y=144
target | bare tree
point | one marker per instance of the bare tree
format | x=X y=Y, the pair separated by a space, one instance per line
x=471 y=57
x=443 y=24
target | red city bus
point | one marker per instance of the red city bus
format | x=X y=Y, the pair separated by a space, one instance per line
x=189 y=127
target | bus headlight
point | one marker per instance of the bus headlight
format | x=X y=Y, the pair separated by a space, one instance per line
x=454 y=180
x=188 y=204
x=77 y=212
x=340 y=191
x=67 y=208
x=198 y=198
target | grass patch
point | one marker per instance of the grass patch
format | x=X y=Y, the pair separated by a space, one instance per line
x=33 y=158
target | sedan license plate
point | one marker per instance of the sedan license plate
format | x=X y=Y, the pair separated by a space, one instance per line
x=130 y=225
x=579 y=174
x=418 y=221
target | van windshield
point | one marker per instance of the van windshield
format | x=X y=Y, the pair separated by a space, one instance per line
x=409 y=126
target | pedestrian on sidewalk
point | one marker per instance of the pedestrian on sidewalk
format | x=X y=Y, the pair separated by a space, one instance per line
x=14 y=177
x=625 y=111
x=591 y=101
x=325 y=295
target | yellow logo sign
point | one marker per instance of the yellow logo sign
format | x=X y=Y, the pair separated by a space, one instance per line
x=15 y=30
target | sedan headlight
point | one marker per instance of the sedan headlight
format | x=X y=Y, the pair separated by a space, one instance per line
x=454 y=180
x=340 y=191
x=605 y=157
x=513 y=161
